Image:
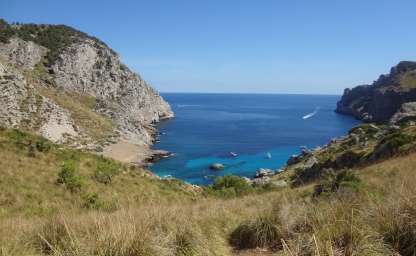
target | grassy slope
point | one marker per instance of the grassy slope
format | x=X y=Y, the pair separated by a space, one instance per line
x=29 y=179
x=140 y=215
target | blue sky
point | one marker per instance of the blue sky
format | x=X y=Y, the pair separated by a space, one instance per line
x=264 y=46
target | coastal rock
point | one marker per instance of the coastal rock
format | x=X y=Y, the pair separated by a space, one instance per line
x=262 y=172
x=82 y=85
x=261 y=181
x=216 y=166
x=279 y=183
x=406 y=113
x=156 y=155
x=379 y=101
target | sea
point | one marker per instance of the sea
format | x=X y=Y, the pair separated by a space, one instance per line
x=261 y=130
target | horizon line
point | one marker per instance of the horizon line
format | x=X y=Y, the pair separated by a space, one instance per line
x=253 y=93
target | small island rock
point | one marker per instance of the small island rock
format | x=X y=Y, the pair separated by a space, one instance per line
x=216 y=166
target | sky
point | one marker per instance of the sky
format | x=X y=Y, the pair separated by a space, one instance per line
x=242 y=46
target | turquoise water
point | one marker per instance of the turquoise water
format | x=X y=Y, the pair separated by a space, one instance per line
x=207 y=127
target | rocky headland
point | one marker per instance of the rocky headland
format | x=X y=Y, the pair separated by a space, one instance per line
x=379 y=101
x=73 y=89
x=388 y=109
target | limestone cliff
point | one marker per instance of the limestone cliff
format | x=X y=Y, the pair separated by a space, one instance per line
x=379 y=101
x=72 y=88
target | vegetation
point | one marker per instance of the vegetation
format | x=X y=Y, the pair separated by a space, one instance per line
x=81 y=107
x=6 y=31
x=368 y=211
x=106 y=169
x=53 y=37
x=332 y=182
x=69 y=177
x=229 y=186
x=407 y=80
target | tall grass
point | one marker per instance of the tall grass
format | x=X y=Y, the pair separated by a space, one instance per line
x=137 y=214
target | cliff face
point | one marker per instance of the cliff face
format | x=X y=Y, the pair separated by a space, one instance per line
x=379 y=101
x=71 y=88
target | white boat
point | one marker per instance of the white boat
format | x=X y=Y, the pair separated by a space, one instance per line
x=268 y=155
x=233 y=154
x=311 y=114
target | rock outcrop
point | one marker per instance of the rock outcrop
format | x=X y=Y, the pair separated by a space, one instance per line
x=72 y=88
x=364 y=144
x=379 y=101
x=407 y=112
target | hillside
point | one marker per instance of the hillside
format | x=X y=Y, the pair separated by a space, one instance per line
x=73 y=89
x=59 y=201
x=379 y=101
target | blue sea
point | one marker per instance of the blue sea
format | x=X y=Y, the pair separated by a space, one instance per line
x=207 y=127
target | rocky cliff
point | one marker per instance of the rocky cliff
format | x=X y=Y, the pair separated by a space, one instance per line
x=73 y=89
x=379 y=101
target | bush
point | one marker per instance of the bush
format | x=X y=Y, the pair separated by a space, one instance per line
x=230 y=185
x=93 y=201
x=392 y=144
x=68 y=176
x=6 y=31
x=332 y=182
x=43 y=145
x=366 y=128
x=261 y=232
x=105 y=170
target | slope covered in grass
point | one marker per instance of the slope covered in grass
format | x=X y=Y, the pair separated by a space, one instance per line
x=56 y=201
x=40 y=178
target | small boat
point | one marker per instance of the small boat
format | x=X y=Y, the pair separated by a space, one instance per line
x=268 y=155
x=233 y=154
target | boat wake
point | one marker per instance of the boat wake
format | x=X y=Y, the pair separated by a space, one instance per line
x=311 y=114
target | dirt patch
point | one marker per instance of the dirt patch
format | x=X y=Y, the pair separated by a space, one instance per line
x=127 y=152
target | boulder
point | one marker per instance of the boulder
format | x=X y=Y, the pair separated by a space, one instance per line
x=279 y=183
x=159 y=154
x=407 y=112
x=216 y=166
x=262 y=172
x=260 y=181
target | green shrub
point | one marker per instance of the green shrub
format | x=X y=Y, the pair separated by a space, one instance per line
x=6 y=31
x=54 y=37
x=397 y=139
x=261 y=232
x=367 y=129
x=105 y=170
x=229 y=186
x=43 y=145
x=93 y=201
x=392 y=144
x=332 y=182
x=69 y=177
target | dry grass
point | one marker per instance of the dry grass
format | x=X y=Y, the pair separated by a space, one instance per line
x=408 y=80
x=154 y=217
x=81 y=107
